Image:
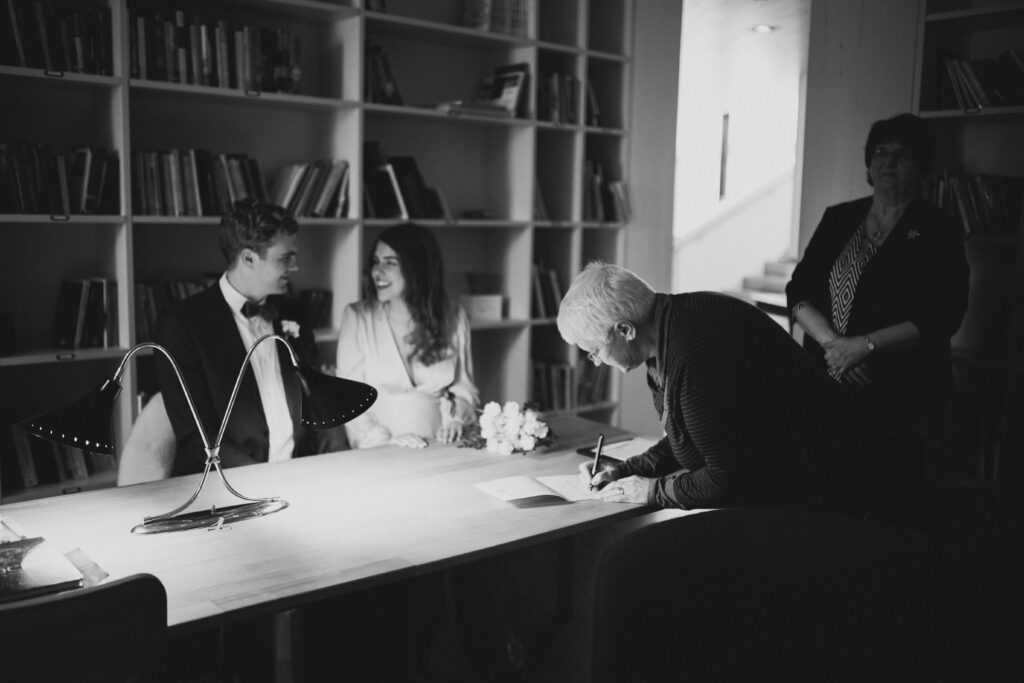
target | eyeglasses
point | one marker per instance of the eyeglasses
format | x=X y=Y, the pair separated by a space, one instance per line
x=595 y=355
x=898 y=153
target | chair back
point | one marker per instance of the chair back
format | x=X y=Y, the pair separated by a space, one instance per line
x=148 y=453
x=112 y=632
x=745 y=595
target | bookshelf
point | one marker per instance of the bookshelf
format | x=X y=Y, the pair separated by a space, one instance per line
x=981 y=141
x=493 y=172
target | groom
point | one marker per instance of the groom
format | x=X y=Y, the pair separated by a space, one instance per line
x=209 y=333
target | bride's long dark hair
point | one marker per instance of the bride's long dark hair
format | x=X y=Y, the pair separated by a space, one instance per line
x=419 y=257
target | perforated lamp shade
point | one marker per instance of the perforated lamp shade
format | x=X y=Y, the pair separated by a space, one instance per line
x=331 y=401
x=84 y=424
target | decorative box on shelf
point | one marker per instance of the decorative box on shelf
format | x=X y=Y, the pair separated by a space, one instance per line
x=483 y=306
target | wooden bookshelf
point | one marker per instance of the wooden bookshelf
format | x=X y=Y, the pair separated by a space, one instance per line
x=491 y=171
x=989 y=347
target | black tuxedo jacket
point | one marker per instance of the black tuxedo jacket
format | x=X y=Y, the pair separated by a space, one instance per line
x=201 y=334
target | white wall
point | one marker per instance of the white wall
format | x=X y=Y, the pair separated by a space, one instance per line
x=860 y=69
x=653 y=132
x=755 y=78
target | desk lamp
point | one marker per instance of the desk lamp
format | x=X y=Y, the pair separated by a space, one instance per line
x=326 y=402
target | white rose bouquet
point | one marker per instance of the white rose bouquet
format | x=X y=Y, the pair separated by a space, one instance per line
x=509 y=429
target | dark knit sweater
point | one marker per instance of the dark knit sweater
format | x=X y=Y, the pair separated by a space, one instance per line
x=749 y=419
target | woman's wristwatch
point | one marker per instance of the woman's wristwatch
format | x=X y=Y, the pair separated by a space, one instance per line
x=872 y=346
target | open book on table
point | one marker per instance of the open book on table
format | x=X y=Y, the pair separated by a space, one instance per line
x=525 y=491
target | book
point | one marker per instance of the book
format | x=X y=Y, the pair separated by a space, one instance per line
x=524 y=491
x=403 y=209
x=329 y=189
x=23 y=451
x=510 y=88
x=383 y=86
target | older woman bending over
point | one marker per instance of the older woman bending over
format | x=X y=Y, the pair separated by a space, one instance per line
x=749 y=420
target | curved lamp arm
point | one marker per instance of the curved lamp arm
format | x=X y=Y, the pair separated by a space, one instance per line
x=213 y=451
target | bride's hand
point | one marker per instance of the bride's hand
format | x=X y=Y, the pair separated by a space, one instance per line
x=409 y=441
x=450 y=433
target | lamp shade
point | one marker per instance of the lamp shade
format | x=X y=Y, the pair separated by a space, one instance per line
x=84 y=424
x=331 y=401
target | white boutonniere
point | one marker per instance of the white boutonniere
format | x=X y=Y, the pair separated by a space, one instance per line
x=290 y=328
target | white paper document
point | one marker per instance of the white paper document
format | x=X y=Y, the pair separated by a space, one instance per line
x=568 y=487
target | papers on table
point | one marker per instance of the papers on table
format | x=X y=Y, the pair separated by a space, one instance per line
x=524 y=490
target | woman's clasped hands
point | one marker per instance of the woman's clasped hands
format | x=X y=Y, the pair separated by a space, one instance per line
x=630 y=489
x=845 y=357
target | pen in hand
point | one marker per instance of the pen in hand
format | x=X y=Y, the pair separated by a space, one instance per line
x=597 y=457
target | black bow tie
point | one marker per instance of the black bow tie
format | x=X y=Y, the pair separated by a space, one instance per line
x=265 y=311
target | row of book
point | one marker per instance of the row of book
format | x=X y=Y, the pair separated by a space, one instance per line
x=189 y=50
x=40 y=461
x=974 y=84
x=558 y=98
x=52 y=36
x=193 y=182
x=561 y=386
x=85 y=315
x=510 y=17
x=36 y=179
x=604 y=201
x=547 y=292
x=313 y=188
x=153 y=297
x=983 y=204
x=393 y=187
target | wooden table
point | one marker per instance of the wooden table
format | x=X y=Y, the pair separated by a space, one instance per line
x=356 y=519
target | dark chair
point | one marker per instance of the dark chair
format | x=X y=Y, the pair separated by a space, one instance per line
x=111 y=632
x=762 y=595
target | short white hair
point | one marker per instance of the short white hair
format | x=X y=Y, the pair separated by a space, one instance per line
x=602 y=296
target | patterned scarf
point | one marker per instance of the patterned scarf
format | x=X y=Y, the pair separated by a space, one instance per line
x=843 y=279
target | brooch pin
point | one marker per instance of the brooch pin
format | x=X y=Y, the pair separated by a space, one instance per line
x=913 y=234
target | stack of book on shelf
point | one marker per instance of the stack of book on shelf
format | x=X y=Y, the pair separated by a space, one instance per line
x=185 y=49
x=560 y=386
x=55 y=37
x=983 y=204
x=547 y=292
x=35 y=179
x=511 y=17
x=153 y=297
x=473 y=108
x=394 y=188
x=40 y=461
x=380 y=84
x=86 y=314
x=558 y=98
x=503 y=94
x=603 y=201
x=593 y=383
x=193 y=182
x=313 y=188
x=974 y=84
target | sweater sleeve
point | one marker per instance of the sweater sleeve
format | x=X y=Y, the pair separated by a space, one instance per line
x=716 y=411
x=810 y=277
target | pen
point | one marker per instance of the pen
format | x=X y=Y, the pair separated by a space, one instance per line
x=597 y=456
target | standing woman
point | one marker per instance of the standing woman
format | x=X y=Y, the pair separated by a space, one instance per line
x=410 y=342
x=880 y=290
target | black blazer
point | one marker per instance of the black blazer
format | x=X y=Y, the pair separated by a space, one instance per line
x=201 y=334
x=919 y=274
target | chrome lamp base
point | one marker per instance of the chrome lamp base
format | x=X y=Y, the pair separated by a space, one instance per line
x=212 y=519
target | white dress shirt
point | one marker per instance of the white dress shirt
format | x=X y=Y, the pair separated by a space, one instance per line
x=267 y=369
